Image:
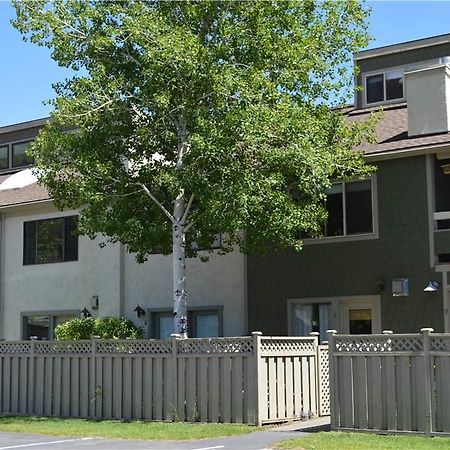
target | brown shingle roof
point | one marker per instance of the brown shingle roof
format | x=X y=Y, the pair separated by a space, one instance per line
x=392 y=131
x=28 y=194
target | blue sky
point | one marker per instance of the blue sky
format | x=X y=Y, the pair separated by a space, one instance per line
x=27 y=71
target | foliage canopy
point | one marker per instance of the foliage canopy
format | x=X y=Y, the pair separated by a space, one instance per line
x=248 y=83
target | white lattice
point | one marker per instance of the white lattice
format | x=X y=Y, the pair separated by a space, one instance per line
x=215 y=345
x=274 y=345
x=324 y=381
x=151 y=346
x=378 y=344
x=15 y=347
x=62 y=347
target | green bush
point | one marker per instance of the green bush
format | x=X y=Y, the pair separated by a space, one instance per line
x=104 y=328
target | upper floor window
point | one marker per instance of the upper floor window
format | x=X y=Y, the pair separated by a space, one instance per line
x=384 y=87
x=15 y=155
x=349 y=206
x=50 y=240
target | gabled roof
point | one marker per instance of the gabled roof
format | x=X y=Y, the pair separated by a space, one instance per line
x=29 y=194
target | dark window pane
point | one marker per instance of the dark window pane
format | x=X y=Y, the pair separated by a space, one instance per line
x=358 y=202
x=444 y=258
x=206 y=325
x=394 y=84
x=374 y=88
x=70 y=239
x=441 y=185
x=164 y=326
x=4 y=162
x=29 y=247
x=37 y=326
x=19 y=156
x=335 y=222
x=360 y=321
x=50 y=238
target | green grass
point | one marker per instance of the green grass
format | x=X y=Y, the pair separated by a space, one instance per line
x=116 y=429
x=361 y=441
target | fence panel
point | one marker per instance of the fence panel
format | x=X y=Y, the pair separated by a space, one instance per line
x=251 y=379
x=391 y=382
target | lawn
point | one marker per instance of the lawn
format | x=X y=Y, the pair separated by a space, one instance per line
x=120 y=429
x=361 y=441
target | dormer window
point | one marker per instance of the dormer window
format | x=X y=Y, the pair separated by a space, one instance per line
x=15 y=155
x=384 y=87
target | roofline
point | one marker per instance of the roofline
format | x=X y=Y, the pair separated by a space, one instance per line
x=26 y=203
x=405 y=152
x=404 y=46
x=24 y=125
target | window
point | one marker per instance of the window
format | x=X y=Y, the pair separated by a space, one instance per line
x=202 y=322
x=50 y=240
x=382 y=87
x=14 y=155
x=349 y=207
x=311 y=317
x=42 y=325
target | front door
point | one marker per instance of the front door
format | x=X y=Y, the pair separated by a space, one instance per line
x=360 y=317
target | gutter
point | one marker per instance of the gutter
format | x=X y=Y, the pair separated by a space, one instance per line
x=407 y=152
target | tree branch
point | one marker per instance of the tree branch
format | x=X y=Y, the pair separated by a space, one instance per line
x=186 y=211
x=167 y=213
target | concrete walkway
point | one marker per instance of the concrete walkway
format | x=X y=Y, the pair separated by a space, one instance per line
x=259 y=440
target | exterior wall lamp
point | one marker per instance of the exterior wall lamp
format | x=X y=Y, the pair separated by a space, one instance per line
x=139 y=311
x=85 y=313
x=433 y=286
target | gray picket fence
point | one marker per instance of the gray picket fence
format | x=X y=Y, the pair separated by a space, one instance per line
x=390 y=382
x=252 y=380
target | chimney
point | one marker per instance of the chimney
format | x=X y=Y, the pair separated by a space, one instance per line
x=428 y=97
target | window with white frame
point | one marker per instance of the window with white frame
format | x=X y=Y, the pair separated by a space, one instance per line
x=350 y=208
x=384 y=86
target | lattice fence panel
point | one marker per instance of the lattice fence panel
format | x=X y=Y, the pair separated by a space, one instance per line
x=62 y=347
x=373 y=344
x=295 y=346
x=324 y=381
x=15 y=347
x=439 y=343
x=219 y=345
x=152 y=346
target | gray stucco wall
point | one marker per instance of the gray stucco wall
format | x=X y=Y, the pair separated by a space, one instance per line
x=398 y=59
x=354 y=268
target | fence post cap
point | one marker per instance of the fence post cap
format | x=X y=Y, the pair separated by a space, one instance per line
x=314 y=333
x=324 y=342
x=256 y=333
x=426 y=330
x=388 y=332
x=331 y=331
x=175 y=335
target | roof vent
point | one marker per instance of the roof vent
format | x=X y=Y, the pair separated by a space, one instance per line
x=428 y=96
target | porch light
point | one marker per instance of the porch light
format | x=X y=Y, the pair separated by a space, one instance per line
x=86 y=313
x=432 y=286
x=139 y=311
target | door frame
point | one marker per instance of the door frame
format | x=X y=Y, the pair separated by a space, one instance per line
x=338 y=305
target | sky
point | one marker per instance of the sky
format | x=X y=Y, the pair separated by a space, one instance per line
x=27 y=71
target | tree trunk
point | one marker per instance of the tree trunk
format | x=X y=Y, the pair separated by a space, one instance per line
x=179 y=280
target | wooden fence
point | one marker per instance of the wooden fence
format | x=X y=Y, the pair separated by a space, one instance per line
x=391 y=382
x=253 y=379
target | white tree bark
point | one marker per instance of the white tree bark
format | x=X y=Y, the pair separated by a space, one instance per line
x=180 y=213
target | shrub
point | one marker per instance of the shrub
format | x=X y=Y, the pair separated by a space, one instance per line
x=104 y=328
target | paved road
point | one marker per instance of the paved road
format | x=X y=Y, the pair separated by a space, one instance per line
x=259 y=440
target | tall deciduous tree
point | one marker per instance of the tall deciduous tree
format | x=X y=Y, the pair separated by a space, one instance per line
x=187 y=119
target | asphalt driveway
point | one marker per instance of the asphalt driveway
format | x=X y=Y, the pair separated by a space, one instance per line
x=258 y=440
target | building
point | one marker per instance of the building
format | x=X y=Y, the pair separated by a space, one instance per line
x=48 y=275
x=388 y=237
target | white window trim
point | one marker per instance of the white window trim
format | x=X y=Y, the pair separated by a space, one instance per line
x=338 y=307
x=382 y=72
x=353 y=237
